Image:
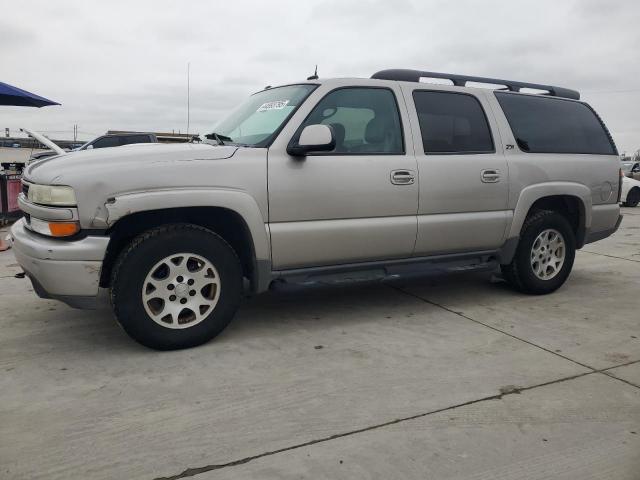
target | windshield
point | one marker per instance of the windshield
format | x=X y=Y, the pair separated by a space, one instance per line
x=260 y=117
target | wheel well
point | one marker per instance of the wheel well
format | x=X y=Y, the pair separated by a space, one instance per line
x=226 y=223
x=568 y=206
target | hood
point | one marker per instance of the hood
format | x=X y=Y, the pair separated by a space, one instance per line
x=62 y=169
x=44 y=140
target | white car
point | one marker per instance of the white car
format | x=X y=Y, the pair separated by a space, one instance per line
x=630 y=192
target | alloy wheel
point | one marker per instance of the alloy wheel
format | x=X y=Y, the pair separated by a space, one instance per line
x=548 y=254
x=181 y=290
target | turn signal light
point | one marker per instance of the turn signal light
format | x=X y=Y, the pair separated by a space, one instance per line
x=54 y=229
x=64 y=229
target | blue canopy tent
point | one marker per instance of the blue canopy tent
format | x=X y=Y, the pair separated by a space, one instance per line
x=10 y=182
x=10 y=95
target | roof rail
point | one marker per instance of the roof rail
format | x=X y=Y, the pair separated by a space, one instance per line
x=406 y=75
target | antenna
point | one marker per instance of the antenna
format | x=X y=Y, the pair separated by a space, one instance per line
x=315 y=75
x=188 y=94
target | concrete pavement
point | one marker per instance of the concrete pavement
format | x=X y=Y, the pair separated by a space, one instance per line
x=454 y=377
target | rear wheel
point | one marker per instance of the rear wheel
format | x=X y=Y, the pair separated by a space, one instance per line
x=176 y=286
x=633 y=198
x=544 y=256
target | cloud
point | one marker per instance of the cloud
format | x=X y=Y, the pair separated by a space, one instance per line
x=122 y=64
x=15 y=36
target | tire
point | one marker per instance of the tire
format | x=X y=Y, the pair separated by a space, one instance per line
x=633 y=198
x=555 y=252
x=166 y=303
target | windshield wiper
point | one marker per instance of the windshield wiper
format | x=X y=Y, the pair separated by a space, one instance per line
x=218 y=138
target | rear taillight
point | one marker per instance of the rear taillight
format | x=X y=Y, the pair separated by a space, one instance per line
x=620 y=185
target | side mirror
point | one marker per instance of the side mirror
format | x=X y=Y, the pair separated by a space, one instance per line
x=89 y=147
x=313 y=138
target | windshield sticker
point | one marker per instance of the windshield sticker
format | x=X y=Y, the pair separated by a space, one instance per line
x=276 y=105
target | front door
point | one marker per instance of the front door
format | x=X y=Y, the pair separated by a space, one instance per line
x=463 y=172
x=356 y=203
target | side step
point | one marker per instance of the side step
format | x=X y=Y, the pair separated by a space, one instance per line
x=372 y=271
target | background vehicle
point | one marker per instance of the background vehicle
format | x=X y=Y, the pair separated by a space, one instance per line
x=103 y=141
x=323 y=180
x=630 y=196
x=117 y=140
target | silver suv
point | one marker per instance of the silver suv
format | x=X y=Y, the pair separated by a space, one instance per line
x=317 y=180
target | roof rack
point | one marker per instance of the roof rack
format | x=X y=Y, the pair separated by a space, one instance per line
x=406 y=75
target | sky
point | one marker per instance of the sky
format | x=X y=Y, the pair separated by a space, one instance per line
x=122 y=65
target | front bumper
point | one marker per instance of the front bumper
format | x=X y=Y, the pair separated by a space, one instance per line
x=66 y=270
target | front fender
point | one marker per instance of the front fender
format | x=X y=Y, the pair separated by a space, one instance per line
x=529 y=195
x=236 y=200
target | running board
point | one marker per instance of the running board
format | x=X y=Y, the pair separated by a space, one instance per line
x=371 y=271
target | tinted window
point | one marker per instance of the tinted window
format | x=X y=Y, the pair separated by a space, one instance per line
x=552 y=125
x=135 y=139
x=364 y=120
x=452 y=123
x=106 y=142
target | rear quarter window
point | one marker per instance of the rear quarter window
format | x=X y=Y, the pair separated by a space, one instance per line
x=553 y=125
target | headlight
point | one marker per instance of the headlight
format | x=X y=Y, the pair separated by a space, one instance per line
x=55 y=195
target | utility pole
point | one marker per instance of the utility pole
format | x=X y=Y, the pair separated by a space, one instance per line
x=188 y=94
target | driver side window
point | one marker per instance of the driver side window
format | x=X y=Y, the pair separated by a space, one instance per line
x=364 y=120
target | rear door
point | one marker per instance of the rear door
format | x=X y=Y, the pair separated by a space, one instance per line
x=463 y=174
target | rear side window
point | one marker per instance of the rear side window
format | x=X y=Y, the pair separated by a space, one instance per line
x=452 y=123
x=553 y=125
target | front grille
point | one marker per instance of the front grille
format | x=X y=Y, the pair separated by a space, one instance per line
x=25 y=188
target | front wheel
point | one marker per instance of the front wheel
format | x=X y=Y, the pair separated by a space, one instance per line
x=544 y=256
x=176 y=286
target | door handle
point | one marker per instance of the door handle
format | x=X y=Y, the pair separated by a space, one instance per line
x=490 y=175
x=403 y=177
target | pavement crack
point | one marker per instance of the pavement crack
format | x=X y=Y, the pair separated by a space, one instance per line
x=632 y=362
x=460 y=314
x=610 y=256
x=191 y=472
x=611 y=375
x=604 y=371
